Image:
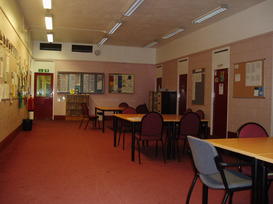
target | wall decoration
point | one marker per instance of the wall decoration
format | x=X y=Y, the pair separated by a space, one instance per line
x=121 y=83
x=86 y=83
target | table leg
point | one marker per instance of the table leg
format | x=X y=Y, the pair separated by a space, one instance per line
x=115 y=125
x=103 y=120
x=133 y=142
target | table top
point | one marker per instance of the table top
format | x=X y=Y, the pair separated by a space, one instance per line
x=138 y=117
x=109 y=108
x=259 y=147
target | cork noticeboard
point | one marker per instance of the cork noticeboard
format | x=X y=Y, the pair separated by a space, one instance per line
x=248 y=79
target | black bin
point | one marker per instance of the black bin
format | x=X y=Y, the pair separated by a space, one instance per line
x=27 y=124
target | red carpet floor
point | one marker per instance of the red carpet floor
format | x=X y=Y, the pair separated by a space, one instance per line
x=58 y=163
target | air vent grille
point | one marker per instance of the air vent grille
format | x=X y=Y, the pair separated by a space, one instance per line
x=82 y=48
x=51 y=46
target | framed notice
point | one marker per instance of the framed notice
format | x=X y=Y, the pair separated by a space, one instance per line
x=85 y=83
x=121 y=83
x=248 y=79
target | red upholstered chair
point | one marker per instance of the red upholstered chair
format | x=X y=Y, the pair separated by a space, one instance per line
x=142 y=109
x=86 y=116
x=251 y=130
x=125 y=126
x=201 y=114
x=151 y=129
x=188 y=125
x=123 y=105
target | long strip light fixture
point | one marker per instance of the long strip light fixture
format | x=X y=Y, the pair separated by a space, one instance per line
x=115 y=27
x=133 y=7
x=103 y=40
x=151 y=44
x=47 y=4
x=49 y=22
x=173 y=33
x=50 y=37
x=210 y=14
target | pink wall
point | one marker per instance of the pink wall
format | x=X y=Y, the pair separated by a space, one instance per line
x=144 y=82
x=239 y=110
x=243 y=110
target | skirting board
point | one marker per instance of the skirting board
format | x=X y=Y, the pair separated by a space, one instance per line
x=4 y=143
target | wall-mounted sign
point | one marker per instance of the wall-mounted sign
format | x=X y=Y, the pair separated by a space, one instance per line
x=43 y=70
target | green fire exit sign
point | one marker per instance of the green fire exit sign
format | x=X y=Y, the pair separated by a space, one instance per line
x=43 y=70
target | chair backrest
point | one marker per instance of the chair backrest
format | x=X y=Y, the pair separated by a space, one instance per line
x=129 y=110
x=152 y=124
x=188 y=110
x=203 y=154
x=123 y=105
x=189 y=125
x=201 y=114
x=85 y=109
x=142 y=109
x=251 y=130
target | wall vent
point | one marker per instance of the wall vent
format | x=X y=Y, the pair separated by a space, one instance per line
x=51 y=46
x=82 y=48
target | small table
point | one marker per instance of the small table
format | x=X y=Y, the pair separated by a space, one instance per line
x=260 y=150
x=105 y=109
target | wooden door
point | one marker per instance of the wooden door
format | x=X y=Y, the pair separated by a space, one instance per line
x=220 y=103
x=183 y=93
x=43 y=96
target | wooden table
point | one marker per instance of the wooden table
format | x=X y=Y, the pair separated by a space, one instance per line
x=107 y=109
x=260 y=150
x=171 y=119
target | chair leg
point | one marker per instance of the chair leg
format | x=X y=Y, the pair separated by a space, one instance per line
x=205 y=194
x=163 y=151
x=230 y=197
x=123 y=140
x=177 y=150
x=86 y=124
x=156 y=148
x=191 y=187
x=119 y=137
x=81 y=123
x=138 y=144
x=225 y=197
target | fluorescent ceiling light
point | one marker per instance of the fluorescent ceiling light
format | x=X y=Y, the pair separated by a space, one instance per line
x=210 y=14
x=115 y=28
x=47 y=4
x=102 y=41
x=49 y=37
x=151 y=44
x=49 y=22
x=173 y=33
x=134 y=6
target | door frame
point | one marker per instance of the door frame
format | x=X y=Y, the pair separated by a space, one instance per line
x=216 y=66
x=180 y=72
x=52 y=86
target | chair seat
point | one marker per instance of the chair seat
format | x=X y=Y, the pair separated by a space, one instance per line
x=235 y=180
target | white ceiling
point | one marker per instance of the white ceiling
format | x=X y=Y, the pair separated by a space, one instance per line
x=88 y=21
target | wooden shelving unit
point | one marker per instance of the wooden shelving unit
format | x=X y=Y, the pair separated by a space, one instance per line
x=73 y=105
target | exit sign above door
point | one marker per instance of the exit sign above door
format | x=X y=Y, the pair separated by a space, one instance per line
x=43 y=70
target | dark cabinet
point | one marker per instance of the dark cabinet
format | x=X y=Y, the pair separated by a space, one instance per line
x=163 y=102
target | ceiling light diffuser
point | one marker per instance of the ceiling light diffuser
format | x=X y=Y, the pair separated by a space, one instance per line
x=134 y=6
x=173 y=33
x=47 y=4
x=50 y=37
x=49 y=22
x=210 y=14
x=151 y=44
x=102 y=41
x=116 y=26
